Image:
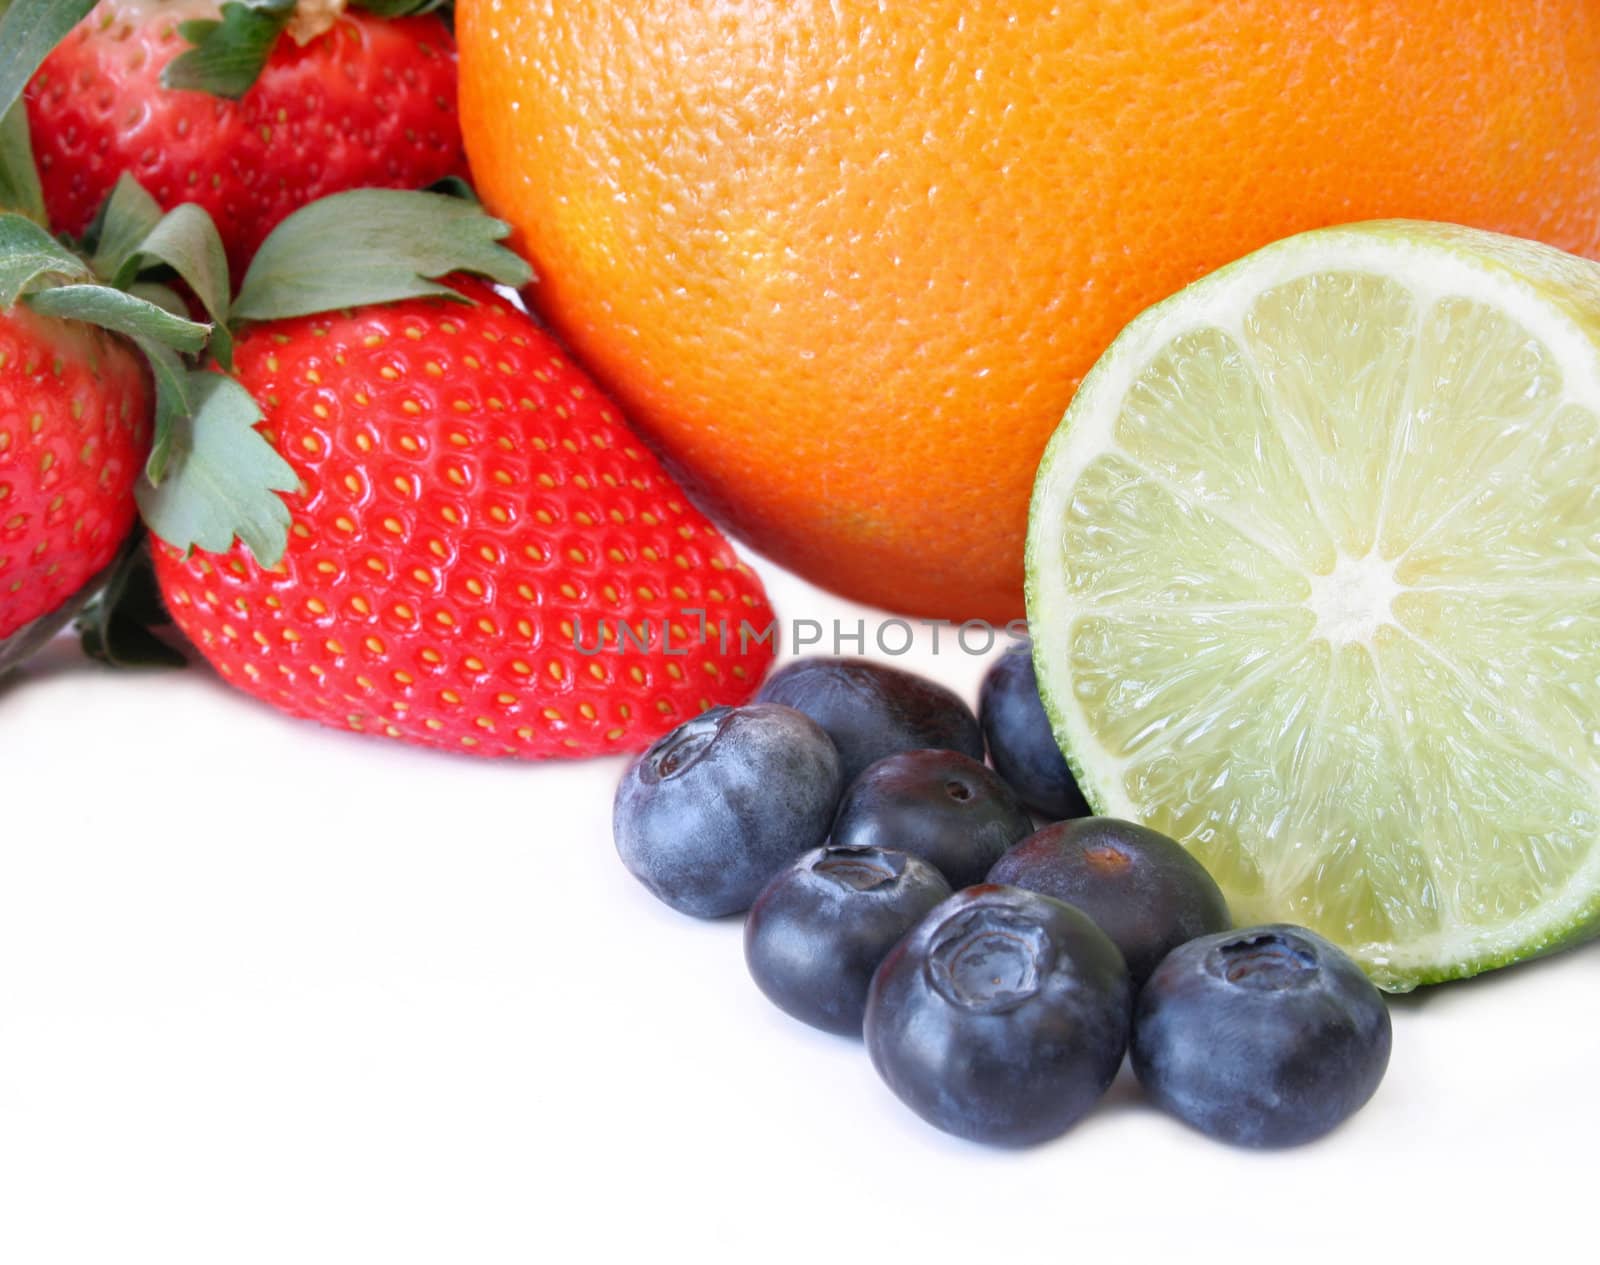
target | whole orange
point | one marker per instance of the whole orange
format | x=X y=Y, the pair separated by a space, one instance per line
x=845 y=261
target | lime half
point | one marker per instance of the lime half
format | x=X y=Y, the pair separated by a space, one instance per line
x=1314 y=582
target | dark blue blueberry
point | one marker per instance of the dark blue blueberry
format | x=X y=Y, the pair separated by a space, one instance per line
x=1021 y=743
x=871 y=711
x=1140 y=887
x=819 y=929
x=944 y=806
x=1002 y=1017
x=1268 y=1036
x=707 y=815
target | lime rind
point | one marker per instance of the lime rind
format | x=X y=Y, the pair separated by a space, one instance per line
x=1553 y=295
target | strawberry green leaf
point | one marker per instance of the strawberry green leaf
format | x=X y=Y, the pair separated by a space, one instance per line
x=29 y=29
x=229 y=52
x=398 y=8
x=132 y=236
x=118 y=627
x=455 y=187
x=173 y=402
x=121 y=314
x=28 y=255
x=372 y=246
x=186 y=240
x=222 y=478
x=126 y=218
x=20 y=190
x=164 y=297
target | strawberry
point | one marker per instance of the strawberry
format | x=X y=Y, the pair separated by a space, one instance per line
x=95 y=390
x=365 y=101
x=472 y=516
x=75 y=426
x=100 y=385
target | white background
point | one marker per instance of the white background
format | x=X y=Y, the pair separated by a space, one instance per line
x=274 y=993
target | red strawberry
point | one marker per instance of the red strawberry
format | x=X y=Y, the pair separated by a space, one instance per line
x=81 y=409
x=370 y=102
x=74 y=432
x=470 y=507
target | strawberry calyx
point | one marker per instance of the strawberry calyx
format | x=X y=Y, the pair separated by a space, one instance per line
x=231 y=49
x=124 y=624
x=128 y=299
x=55 y=280
x=20 y=189
x=212 y=476
x=374 y=246
x=350 y=250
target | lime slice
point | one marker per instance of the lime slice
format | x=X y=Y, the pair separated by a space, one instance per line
x=1314 y=581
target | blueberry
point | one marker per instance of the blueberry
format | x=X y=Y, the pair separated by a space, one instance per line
x=1264 y=1037
x=1020 y=740
x=944 y=806
x=1140 y=887
x=1002 y=1017
x=871 y=711
x=819 y=929
x=707 y=815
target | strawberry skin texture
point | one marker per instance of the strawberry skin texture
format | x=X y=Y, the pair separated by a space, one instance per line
x=370 y=103
x=471 y=506
x=74 y=433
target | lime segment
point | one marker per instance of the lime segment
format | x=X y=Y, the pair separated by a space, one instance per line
x=1314 y=581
